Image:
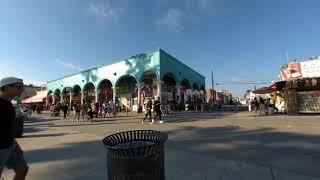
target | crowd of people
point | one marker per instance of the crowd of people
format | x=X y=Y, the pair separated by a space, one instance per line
x=85 y=112
x=262 y=105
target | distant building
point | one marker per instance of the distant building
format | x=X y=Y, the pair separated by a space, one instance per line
x=223 y=95
x=29 y=91
x=211 y=95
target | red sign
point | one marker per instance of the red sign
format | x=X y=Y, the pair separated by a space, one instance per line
x=292 y=71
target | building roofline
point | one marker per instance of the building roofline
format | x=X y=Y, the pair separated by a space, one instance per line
x=181 y=63
x=104 y=65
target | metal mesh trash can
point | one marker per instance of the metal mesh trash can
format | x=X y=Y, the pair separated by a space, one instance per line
x=136 y=155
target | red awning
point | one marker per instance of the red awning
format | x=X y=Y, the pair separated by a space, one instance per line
x=278 y=85
x=38 y=98
x=264 y=90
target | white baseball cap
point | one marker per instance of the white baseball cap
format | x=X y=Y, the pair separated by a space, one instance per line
x=10 y=80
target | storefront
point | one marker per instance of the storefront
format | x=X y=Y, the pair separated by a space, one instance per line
x=303 y=95
x=302 y=91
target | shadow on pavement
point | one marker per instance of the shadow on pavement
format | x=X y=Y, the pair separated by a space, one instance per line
x=292 y=152
x=77 y=159
x=42 y=135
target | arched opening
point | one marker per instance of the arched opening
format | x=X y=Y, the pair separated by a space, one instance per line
x=88 y=93
x=195 y=86
x=49 y=99
x=76 y=99
x=127 y=91
x=148 y=85
x=185 y=84
x=57 y=96
x=202 y=88
x=66 y=95
x=168 y=91
x=105 y=91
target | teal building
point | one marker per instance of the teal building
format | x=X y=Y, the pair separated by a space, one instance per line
x=130 y=81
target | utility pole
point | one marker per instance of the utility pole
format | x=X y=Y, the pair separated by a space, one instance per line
x=212 y=81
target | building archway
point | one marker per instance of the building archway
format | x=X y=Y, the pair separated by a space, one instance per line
x=88 y=93
x=127 y=91
x=195 y=86
x=66 y=94
x=56 y=96
x=76 y=99
x=148 y=85
x=105 y=91
x=49 y=99
x=169 y=88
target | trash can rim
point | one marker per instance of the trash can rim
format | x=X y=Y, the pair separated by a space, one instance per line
x=155 y=143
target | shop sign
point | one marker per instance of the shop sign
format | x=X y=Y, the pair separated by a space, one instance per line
x=310 y=68
x=293 y=70
x=306 y=69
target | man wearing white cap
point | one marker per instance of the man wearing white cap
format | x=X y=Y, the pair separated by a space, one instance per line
x=11 y=155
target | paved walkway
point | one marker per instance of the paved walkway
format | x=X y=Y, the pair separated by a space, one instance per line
x=201 y=146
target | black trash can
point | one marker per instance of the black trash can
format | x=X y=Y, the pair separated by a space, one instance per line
x=136 y=155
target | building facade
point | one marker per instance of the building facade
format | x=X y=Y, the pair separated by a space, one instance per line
x=29 y=91
x=130 y=82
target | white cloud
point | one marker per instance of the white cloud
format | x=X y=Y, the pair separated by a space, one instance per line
x=172 y=19
x=105 y=11
x=68 y=65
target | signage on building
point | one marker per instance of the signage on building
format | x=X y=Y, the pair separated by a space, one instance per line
x=310 y=68
x=306 y=69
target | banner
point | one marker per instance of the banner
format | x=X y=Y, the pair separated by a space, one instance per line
x=310 y=68
x=293 y=70
x=306 y=69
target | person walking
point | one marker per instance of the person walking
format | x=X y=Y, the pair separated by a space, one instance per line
x=256 y=104
x=84 y=112
x=112 y=108
x=105 y=109
x=65 y=110
x=77 y=111
x=11 y=154
x=157 y=109
x=148 y=108
x=261 y=105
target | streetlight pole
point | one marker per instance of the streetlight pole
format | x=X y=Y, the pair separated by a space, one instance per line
x=212 y=81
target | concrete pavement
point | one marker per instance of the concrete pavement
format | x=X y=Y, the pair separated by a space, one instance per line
x=200 y=146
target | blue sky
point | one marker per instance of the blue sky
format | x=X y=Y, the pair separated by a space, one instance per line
x=243 y=40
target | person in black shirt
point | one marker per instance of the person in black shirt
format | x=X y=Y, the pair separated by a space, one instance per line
x=157 y=109
x=11 y=155
x=65 y=110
